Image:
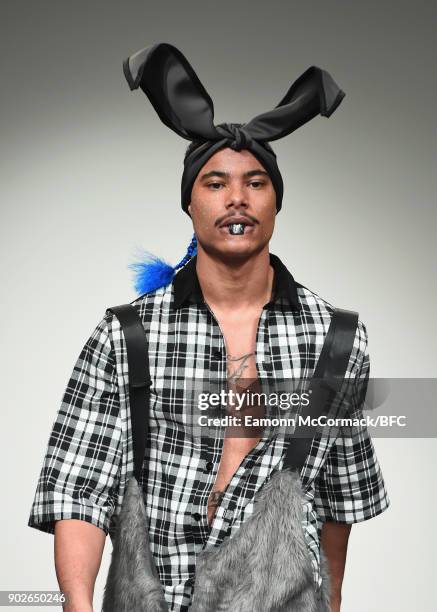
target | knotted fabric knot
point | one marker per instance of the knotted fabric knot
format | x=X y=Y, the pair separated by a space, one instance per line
x=239 y=139
x=182 y=103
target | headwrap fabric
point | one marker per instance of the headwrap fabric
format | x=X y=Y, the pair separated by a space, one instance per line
x=235 y=138
x=183 y=104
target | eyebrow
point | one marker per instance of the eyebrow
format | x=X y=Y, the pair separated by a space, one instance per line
x=227 y=174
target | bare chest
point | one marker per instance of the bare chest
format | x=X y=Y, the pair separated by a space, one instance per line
x=240 y=340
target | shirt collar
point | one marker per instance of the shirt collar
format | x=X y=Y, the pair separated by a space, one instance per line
x=187 y=288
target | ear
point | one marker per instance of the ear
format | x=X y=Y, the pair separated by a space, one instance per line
x=314 y=92
x=173 y=88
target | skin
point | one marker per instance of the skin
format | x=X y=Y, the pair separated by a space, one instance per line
x=234 y=271
x=78 y=549
x=215 y=198
x=236 y=280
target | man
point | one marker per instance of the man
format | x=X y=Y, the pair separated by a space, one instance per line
x=233 y=311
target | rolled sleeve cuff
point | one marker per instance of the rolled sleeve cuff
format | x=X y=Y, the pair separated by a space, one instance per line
x=353 y=511
x=57 y=506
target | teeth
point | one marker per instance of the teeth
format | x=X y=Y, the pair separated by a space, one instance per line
x=236 y=228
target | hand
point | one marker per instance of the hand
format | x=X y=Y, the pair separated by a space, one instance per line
x=335 y=604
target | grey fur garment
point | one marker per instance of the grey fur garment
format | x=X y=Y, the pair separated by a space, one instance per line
x=264 y=567
x=133 y=583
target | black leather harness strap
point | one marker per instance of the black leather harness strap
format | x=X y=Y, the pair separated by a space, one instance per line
x=139 y=379
x=327 y=380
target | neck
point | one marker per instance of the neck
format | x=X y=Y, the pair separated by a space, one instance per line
x=237 y=284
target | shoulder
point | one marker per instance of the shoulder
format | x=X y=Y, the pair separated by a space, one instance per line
x=147 y=305
x=312 y=303
x=315 y=305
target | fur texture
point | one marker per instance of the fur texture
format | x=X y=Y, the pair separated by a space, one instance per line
x=152 y=272
x=264 y=567
x=133 y=583
x=266 y=564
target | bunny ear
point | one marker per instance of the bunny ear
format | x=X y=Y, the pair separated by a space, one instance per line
x=174 y=89
x=314 y=92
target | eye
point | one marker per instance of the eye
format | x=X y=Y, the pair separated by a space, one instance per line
x=257 y=183
x=219 y=184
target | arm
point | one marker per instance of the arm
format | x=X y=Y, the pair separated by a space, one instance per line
x=350 y=487
x=334 y=541
x=78 y=553
x=79 y=480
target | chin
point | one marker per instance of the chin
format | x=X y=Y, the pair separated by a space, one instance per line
x=234 y=249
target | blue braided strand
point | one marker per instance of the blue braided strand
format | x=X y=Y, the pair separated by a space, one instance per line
x=191 y=251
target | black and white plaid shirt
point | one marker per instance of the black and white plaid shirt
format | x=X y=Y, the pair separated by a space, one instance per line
x=89 y=456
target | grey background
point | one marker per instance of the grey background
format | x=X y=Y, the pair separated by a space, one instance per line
x=89 y=173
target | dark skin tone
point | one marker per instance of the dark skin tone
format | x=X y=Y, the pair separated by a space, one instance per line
x=236 y=279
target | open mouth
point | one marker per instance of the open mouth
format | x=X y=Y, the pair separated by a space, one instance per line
x=238 y=226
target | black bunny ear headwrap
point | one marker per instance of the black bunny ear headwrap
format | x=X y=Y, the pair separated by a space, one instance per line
x=183 y=104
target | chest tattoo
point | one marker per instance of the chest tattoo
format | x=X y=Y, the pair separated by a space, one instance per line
x=235 y=372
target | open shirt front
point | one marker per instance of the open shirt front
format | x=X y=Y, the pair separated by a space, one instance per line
x=89 y=457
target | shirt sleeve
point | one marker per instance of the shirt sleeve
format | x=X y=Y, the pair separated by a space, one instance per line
x=350 y=486
x=80 y=471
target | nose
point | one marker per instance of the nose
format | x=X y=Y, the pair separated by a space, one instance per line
x=237 y=198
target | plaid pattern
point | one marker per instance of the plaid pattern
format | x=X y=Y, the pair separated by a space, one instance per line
x=89 y=456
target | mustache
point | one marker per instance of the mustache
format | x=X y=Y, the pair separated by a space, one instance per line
x=229 y=216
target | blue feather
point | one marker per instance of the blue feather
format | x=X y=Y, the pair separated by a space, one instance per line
x=152 y=272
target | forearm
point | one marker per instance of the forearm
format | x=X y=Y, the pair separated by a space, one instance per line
x=78 y=553
x=334 y=540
